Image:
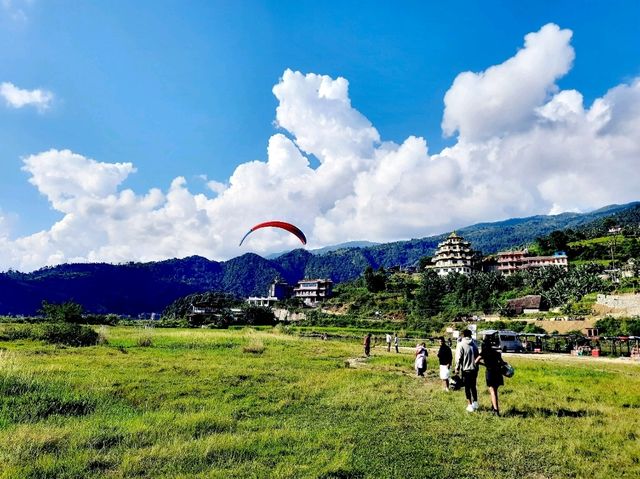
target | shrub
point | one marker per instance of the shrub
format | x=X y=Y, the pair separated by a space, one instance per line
x=66 y=333
x=144 y=341
x=12 y=333
x=254 y=346
x=53 y=333
x=68 y=312
x=258 y=316
x=102 y=335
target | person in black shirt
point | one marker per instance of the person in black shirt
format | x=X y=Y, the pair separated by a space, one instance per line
x=445 y=358
x=367 y=344
x=492 y=360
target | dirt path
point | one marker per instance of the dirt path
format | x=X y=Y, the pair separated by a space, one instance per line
x=569 y=357
x=355 y=362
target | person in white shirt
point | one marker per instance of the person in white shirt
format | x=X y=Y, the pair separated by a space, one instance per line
x=388 y=343
x=421 y=359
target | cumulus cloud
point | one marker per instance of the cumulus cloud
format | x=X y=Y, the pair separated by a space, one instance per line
x=503 y=98
x=18 y=98
x=523 y=147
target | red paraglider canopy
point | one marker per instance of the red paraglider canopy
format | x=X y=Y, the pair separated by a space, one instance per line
x=278 y=224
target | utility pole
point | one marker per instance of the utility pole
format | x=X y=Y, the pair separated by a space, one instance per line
x=615 y=230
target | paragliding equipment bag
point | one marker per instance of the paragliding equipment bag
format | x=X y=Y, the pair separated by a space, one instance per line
x=507 y=370
x=456 y=382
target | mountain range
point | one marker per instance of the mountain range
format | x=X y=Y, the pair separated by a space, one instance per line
x=135 y=288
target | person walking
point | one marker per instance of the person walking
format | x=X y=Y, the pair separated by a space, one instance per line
x=367 y=344
x=466 y=354
x=421 y=359
x=492 y=360
x=388 y=342
x=445 y=358
x=396 y=342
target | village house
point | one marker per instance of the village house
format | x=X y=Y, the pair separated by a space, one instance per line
x=309 y=291
x=278 y=291
x=313 y=291
x=532 y=303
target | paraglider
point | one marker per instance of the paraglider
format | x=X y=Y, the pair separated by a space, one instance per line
x=278 y=224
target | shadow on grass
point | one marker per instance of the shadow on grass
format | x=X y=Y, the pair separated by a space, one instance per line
x=32 y=401
x=546 y=412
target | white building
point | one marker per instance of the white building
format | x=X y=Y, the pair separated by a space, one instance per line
x=313 y=291
x=454 y=255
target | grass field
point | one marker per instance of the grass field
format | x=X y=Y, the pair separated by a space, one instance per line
x=204 y=403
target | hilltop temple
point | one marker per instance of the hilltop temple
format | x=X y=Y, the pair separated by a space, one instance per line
x=454 y=255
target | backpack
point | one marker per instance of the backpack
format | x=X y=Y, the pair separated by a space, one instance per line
x=507 y=370
x=456 y=382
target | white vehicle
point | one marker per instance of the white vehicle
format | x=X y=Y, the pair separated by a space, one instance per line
x=505 y=340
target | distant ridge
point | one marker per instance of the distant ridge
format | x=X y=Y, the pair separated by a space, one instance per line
x=328 y=249
x=135 y=288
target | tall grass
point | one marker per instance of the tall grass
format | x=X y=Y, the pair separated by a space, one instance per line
x=203 y=403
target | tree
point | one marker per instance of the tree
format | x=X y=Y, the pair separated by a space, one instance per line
x=67 y=312
x=258 y=316
x=609 y=223
x=424 y=262
x=558 y=240
x=375 y=280
x=428 y=299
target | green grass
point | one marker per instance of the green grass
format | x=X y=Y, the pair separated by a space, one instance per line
x=219 y=404
x=580 y=262
x=599 y=240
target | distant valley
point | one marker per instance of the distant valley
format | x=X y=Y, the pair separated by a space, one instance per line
x=135 y=288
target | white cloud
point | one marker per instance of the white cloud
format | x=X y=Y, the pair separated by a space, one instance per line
x=16 y=10
x=503 y=98
x=65 y=178
x=18 y=98
x=523 y=148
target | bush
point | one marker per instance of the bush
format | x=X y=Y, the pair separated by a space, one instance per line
x=145 y=341
x=254 y=346
x=68 y=312
x=12 y=333
x=609 y=326
x=258 y=316
x=53 y=333
x=66 y=333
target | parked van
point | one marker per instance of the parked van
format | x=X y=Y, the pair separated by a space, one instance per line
x=505 y=340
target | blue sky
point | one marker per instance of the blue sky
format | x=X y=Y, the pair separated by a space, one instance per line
x=184 y=88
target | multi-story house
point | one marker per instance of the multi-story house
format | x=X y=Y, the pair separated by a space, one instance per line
x=313 y=291
x=511 y=261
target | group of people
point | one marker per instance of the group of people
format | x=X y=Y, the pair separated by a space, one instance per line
x=389 y=339
x=445 y=359
x=468 y=359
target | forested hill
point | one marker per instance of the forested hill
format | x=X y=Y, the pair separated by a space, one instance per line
x=135 y=288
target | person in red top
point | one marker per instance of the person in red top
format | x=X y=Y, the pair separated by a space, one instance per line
x=367 y=344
